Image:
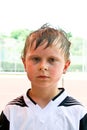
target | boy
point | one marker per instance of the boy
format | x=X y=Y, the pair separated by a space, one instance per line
x=45 y=106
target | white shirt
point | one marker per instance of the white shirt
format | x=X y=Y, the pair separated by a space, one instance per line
x=61 y=113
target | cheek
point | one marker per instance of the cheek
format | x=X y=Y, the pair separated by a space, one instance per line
x=31 y=71
x=30 y=74
x=53 y=72
x=56 y=71
x=29 y=66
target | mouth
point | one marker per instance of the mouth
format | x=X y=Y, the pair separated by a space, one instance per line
x=43 y=77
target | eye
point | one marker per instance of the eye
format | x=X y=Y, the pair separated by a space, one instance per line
x=35 y=59
x=52 y=60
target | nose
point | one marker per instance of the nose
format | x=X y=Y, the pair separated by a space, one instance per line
x=43 y=66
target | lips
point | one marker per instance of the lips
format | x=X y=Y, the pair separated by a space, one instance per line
x=43 y=77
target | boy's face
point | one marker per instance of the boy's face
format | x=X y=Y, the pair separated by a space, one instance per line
x=45 y=67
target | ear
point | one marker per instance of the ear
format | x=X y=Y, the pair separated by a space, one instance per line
x=23 y=61
x=67 y=64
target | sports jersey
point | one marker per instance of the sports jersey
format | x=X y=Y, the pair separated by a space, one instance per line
x=62 y=113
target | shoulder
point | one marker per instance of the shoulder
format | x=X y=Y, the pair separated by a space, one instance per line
x=83 y=122
x=74 y=107
x=19 y=101
x=11 y=109
x=14 y=107
x=70 y=101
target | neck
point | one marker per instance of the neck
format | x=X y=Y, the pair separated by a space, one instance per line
x=43 y=96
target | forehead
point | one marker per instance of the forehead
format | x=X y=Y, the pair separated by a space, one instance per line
x=52 y=50
x=44 y=45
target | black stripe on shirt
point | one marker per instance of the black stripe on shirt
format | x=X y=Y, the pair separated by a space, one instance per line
x=18 y=101
x=4 y=123
x=83 y=123
x=61 y=91
x=69 y=101
x=30 y=97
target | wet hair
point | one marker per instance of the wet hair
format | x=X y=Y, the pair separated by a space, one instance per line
x=50 y=36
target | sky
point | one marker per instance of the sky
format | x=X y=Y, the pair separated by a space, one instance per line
x=71 y=15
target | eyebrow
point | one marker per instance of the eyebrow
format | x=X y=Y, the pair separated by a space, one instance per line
x=51 y=56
